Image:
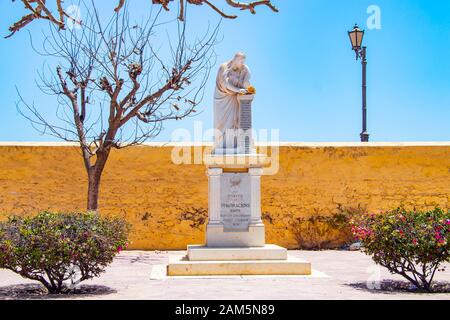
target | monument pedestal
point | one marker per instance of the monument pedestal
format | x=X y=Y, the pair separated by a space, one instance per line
x=235 y=203
x=235 y=234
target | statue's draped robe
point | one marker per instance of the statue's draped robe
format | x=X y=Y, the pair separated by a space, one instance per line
x=226 y=106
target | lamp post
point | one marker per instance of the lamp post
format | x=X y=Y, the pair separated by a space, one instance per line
x=356 y=38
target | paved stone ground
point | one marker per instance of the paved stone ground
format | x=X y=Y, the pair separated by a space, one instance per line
x=347 y=276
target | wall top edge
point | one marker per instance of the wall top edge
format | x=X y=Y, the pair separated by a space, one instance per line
x=282 y=144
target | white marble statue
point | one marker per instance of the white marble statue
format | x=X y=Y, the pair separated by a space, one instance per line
x=232 y=80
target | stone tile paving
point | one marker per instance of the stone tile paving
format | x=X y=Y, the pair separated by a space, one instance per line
x=129 y=277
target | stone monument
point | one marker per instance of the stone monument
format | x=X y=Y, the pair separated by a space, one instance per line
x=235 y=234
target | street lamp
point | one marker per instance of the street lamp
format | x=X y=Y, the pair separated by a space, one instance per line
x=356 y=38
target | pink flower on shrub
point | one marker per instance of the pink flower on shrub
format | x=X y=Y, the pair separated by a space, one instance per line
x=415 y=242
x=119 y=249
x=438 y=235
x=361 y=233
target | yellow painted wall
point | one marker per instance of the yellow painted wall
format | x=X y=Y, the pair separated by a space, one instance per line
x=167 y=204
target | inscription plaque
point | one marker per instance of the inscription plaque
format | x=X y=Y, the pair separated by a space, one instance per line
x=245 y=118
x=245 y=143
x=235 y=206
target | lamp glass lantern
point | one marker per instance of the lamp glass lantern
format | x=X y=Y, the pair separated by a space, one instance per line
x=356 y=37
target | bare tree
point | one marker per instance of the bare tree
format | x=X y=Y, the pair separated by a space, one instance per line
x=39 y=9
x=115 y=88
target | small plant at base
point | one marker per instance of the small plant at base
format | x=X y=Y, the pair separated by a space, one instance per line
x=54 y=248
x=320 y=232
x=413 y=244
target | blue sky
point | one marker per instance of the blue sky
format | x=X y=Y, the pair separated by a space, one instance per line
x=306 y=75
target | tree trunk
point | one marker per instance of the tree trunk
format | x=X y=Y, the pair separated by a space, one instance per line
x=93 y=192
x=94 y=177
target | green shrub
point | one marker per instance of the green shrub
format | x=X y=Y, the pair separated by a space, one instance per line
x=54 y=248
x=413 y=244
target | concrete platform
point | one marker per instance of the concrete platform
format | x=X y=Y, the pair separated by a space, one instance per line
x=268 y=252
x=180 y=266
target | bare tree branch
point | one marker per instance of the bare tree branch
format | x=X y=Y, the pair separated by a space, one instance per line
x=39 y=9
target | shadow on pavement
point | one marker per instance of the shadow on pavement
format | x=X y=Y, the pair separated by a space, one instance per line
x=36 y=291
x=393 y=286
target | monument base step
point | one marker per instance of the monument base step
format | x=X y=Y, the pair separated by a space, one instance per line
x=204 y=253
x=181 y=266
x=218 y=237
